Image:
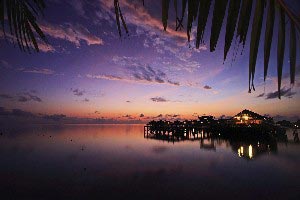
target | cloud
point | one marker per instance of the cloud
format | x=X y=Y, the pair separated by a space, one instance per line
x=225 y=117
x=207 y=87
x=21 y=113
x=6 y=96
x=43 y=47
x=17 y=116
x=137 y=15
x=97 y=112
x=158 y=116
x=169 y=43
x=75 y=34
x=285 y=92
x=139 y=72
x=105 y=77
x=78 y=92
x=29 y=115
x=146 y=73
x=136 y=79
x=28 y=96
x=4 y=112
x=128 y=101
x=36 y=70
x=86 y=100
x=174 y=83
x=158 y=99
x=5 y=65
x=261 y=95
x=78 y=6
x=130 y=117
x=55 y=117
x=22 y=97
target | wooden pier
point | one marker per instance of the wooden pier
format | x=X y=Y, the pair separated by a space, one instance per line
x=176 y=133
x=195 y=130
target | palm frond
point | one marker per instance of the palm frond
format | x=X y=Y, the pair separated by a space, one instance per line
x=202 y=19
x=217 y=21
x=244 y=20
x=293 y=43
x=268 y=36
x=280 y=48
x=165 y=13
x=255 y=37
x=176 y=13
x=180 y=21
x=21 y=17
x=2 y=10
x=238 y=17
x=192 y=14
x=233 y=12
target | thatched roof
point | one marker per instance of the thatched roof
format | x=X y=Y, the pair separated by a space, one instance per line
x=250 y=114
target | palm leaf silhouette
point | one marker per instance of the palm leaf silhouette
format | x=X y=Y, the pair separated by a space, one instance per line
x=233 y=12
x=202 y=19
x=292 y=53
x=218 y=16
x=21 y=17
x=238 y=19
x=280 y=47
x=255 y=36
x=165 y=13
x=244 y=20
x=268 y=36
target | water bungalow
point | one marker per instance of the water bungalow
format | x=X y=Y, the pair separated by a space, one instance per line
x=244 y=125
x=248 y=117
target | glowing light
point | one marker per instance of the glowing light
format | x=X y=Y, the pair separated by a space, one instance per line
x=250 y=151
x=245 y=117
x=242 y=150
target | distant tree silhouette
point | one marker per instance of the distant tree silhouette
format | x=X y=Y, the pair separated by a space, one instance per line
x=21 y=16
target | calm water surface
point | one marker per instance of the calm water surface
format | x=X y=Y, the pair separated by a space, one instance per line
x=117 y=162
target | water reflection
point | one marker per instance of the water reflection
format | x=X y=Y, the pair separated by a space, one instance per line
x=93 y=161
x=243 y=148
x=252 y=150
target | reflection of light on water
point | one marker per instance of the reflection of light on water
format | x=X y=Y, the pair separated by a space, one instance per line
x=250 y=151
x=240 y=151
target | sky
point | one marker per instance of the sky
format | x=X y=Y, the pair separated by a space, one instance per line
x=88 y=71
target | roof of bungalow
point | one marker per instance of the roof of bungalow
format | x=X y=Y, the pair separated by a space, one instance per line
x=250 y=113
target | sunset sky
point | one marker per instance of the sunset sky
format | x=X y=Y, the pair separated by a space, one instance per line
x=88 y=71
